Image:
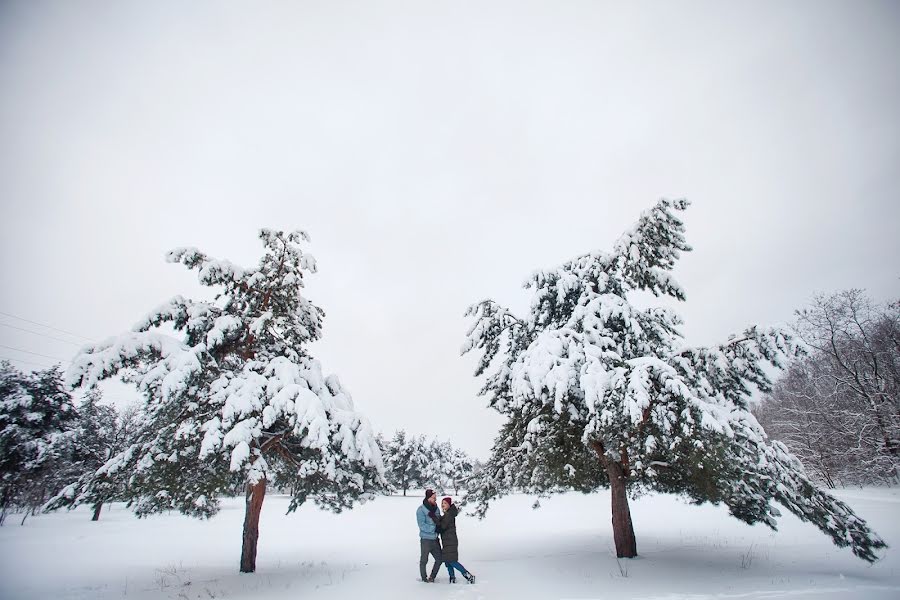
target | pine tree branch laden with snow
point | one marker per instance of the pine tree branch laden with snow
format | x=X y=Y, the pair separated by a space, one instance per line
x=597 y=391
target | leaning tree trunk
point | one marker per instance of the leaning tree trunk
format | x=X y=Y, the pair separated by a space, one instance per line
x=256 y=492
x=97 y=508
x=623 y=531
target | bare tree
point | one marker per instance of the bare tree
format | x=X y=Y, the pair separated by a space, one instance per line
x=838 y=408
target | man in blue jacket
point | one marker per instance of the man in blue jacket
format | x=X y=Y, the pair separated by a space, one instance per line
x=427 y=516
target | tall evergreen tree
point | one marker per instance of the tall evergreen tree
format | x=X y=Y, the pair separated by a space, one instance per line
x=462 y=468
x=404 y=462
x=13 y=395
x=432 y=467
x=235 y=392
x=37 y=425
x=100 y=434
x=600 y=393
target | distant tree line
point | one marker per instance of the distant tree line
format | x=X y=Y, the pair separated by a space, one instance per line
x=838 y=407
x=413 y=462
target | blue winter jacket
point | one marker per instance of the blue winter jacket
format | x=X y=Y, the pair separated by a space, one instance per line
x=427 y=528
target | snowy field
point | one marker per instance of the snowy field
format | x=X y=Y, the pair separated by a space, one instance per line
x=562 y=550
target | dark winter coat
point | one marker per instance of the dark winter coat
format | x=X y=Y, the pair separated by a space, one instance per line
x=448 y=534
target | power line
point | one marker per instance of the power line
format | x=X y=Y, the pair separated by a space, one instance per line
x=35 y=353
x=27 y=362
x=43 y=325
x=41 y=334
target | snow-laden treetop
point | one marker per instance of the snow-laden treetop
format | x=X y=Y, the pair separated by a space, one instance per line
x=235 y=382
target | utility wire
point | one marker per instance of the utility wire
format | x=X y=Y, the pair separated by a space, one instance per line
x=35 y=353
x=43 y=325
x=41 y=334
x=27 y=362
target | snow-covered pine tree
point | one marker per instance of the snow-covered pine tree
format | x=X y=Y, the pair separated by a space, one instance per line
x=234 y=392
x=598 y=392
x=37 y=421
x=443 y=464
x=447 y=455
x=100 y=433
x=415 y=461
x=461 y=468
x=434 y=471
x=403 y=462
x=13 y=396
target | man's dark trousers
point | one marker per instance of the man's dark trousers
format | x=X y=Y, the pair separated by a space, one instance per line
x=432 y=547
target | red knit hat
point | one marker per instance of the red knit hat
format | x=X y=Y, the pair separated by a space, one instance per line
x=448 y=500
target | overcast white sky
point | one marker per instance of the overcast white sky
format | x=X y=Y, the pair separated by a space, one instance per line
x=437 y=153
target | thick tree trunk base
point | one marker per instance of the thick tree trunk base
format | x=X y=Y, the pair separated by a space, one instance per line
x=623 y=530
x=255 y=495
x=97 y=507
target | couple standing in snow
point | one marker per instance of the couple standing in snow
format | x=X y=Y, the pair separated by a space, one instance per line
x=431 y=524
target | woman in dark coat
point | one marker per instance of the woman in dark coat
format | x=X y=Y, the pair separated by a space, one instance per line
x=449 y=541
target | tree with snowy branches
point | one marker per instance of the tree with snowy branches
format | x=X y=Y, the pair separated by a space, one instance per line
x=838 y=408
x=404 y=461
x=435 y=470
x=600 y=393
x=235 y=393
x=462 y=467
x=37 y=426
x=415 y=461
x=446 y=466
x=100 y=433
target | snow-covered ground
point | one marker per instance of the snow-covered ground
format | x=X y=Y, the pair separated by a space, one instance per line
x=563 y=550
